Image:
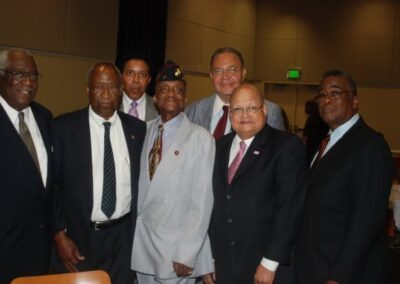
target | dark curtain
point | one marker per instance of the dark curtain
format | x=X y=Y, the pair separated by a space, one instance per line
x=142 y=29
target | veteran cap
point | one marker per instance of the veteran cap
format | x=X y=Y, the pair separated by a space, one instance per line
x=170 y=71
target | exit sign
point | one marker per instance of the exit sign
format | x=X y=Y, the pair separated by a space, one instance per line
x=293 y=73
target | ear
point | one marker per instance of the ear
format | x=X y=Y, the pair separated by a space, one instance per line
x=244 y=71
x=87 y=91
x=356 y=101
x=210 y=75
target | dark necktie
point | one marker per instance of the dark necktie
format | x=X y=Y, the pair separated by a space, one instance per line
x=220 y=128
x=321 y=150
x=27 y=138
x=155 y=152
x=108 y=199
x=236 y=161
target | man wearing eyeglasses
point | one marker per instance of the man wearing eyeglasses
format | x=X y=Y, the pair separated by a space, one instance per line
x=341 y=239
x=227 y=73
x=135 y=80
x=25 y=169
x=258 y=195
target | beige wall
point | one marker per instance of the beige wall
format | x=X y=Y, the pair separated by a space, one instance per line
x=66 y=37
x=196 y=28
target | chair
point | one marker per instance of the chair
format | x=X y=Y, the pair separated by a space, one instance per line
x=88 y=277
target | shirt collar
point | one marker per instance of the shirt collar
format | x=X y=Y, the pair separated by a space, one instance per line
x=218 y=104
x=99 y=120
x=12 y=112
x=342 y=129
x=172 y=124
x=128 y=100
x=237 y=140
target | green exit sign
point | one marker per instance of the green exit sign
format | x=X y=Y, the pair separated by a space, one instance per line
x=293 y=73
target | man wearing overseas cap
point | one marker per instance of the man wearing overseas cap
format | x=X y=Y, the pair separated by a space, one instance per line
x=175 y=199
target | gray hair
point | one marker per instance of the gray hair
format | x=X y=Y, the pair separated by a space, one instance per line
x=4 y=54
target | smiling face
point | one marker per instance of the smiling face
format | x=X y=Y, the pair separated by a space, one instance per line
x=170 y=98
x=247 y=123
x=19 y=92
x=336 y=112
x=227 y=73
x=104 y=90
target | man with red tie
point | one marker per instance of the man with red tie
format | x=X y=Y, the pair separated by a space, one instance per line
x=258 y=192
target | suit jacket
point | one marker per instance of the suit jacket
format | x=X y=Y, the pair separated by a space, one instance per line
x=257 y=214
x=24 y=203
x=174 y=208
x=150 y=112
x=342 y=236
x=200 y=113
x=73 y=197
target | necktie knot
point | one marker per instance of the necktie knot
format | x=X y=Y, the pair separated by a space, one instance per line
x=220 y=128
x=133 y=109
x=134 y=104
x=21 y=115
x=225 y=109
x=107 y=124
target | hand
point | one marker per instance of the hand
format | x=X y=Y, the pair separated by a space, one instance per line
x=263 y=275
x=209 y=278
x=67 y=251
x=182 y=270
x=331 y=282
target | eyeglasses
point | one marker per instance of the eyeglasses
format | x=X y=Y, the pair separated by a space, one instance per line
x=248 y=110
x=332 y=96
x=19 y=75
x=230 y=70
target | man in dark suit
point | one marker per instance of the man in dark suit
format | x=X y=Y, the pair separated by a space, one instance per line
x=341 y=239
x=25 y=169
x=135 y=80
x=258 y=193
x=97 y=153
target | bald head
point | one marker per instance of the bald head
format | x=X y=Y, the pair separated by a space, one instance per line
x=248 y=111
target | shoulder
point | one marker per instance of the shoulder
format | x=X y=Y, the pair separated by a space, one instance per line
x=207 y=101
x=41 y=110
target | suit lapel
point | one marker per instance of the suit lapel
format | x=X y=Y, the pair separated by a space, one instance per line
x=257 y=147
x=338 y=149
x=167 y=162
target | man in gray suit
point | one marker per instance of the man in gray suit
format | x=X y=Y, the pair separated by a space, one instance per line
x=135 y=79
x=175 y=199
x=227 y=73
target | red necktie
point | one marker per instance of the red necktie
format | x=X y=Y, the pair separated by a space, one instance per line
x=220 y=128
x=322 y=147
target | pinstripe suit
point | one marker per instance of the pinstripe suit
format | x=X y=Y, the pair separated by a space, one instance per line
x=200 y=112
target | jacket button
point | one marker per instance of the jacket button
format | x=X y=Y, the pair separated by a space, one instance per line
x=228 y=196
x=230 y=220
x=232 y=243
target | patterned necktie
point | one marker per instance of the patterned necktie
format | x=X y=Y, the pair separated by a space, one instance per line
x=133 y=109
x=322 y=147
x=155 y=152
x=27 y=138
x=108 y=199
x=236 y=161
x=220 y=128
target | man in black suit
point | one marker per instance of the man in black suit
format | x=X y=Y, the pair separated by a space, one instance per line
x=258 y=200
x=25 y=169
x=341 y=239
x=97 y=152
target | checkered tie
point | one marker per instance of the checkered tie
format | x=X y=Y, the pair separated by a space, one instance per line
x=108 y=199
x=133 y=109
x=27 y=138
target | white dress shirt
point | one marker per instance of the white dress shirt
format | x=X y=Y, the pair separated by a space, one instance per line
x=35 y=133
x=141 y=105
x=267 y=263
x=217 y=114
x=338 y=133
x=121 y=161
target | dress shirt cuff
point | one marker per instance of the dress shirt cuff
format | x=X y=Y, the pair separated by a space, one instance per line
x=269 y=264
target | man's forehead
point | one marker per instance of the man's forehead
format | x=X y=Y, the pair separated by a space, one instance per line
x=333 y=82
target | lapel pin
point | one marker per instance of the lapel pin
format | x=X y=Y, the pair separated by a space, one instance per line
x=133 y=136
x=256 y=152
x=176 y=152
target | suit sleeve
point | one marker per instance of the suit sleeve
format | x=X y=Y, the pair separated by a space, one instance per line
x=58 y=222
x=199 y=212
x=371 y=183
x=290 y=171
